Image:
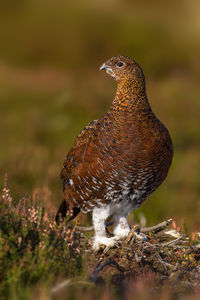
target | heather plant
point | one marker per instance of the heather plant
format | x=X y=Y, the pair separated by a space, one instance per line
x=32 y=246
x=41 y=259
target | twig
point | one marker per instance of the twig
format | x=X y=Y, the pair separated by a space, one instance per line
x=157 y=227
x=68 y=282
x=83 y=228
x=172 y=242
x=166 y=264
x=61 y=286
x=6 y=181
x=111 y=262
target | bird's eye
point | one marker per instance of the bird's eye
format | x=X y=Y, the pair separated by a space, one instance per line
x=120 y=64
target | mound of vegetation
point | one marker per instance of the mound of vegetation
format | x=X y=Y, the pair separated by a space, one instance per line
x=39 y=257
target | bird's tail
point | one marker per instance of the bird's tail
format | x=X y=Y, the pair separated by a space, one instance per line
x=62 y=212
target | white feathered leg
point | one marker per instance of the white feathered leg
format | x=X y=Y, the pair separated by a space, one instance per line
x=99 y=216
x=121 y=227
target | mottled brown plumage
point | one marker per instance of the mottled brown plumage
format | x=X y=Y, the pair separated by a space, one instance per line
x=118 y=160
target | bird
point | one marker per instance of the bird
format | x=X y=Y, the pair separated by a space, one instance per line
x=117 y=161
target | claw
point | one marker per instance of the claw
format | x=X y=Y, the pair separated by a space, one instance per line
x=108 y=242
x=108 y=247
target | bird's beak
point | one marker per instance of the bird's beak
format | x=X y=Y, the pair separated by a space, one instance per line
x=108 y=70
x=103 y=67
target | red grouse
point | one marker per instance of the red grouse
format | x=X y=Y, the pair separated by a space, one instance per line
x=117 y=161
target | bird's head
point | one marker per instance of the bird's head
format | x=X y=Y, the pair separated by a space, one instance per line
x=123 y=69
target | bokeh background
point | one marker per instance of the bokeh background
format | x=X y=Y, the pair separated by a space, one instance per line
x=50 y=88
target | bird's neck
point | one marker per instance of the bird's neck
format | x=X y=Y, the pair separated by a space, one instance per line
x=131 y=98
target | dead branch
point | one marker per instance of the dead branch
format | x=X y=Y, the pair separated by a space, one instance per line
x=172 y=242
x=83 y=228
x=157 y=227
x=111 y=262
x=154 y=228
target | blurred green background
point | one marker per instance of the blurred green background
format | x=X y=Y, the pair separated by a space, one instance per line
x=50 y=88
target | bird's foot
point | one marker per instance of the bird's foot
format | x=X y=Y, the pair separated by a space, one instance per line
x=108 y=242
x=121 y=234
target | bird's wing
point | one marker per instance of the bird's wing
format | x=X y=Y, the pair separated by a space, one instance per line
x=84 y=148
